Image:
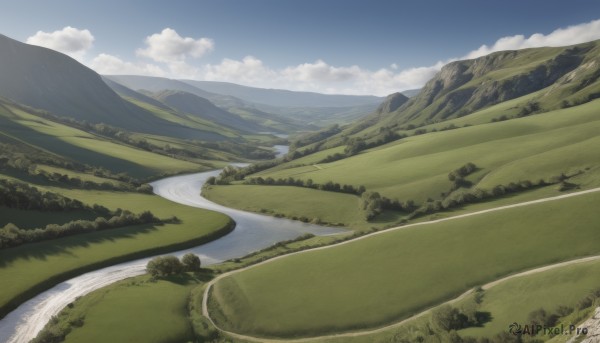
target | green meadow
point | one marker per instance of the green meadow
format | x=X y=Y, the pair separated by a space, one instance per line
x=30 y=268
x=293 y=202
x=147 y=312
x=86 y=147
x=513 y=300
x=138 y=309
x=381 y=279
x=416 y=168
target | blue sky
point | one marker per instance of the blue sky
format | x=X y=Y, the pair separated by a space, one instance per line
x=355 y=47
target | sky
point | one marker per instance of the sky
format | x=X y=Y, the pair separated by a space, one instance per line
x=330 y=46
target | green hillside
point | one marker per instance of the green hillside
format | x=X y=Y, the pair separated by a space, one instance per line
x=380 y=279
x=18 y=124
x=547 y=147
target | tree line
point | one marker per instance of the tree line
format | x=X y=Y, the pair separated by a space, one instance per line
x=11 y=235
x=329 y=186
x=22 y=196
x=26 y=159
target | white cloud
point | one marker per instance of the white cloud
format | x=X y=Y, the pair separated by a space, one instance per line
x=560 y=37
x=168 y=47
x=249 y=70
x=71 y=41
x=318 y=76
x=175 y=53
x=111 y=65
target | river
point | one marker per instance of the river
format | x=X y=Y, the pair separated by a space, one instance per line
x=252 y=232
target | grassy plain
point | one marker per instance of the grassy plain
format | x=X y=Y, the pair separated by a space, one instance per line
x=135 y=310
x=327 y=207
x=513 y=300
x=381 y=279
x=30 y=268
x=86 y=147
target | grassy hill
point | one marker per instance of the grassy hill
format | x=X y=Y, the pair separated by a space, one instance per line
x=83 y=147
x=526 y=125
x=540 y=147
x=380 y=279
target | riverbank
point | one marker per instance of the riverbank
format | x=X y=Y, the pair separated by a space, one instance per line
x=253 y=232
x=53 y=280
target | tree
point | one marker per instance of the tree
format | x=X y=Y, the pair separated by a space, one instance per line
x=372 y=204
x=191 y=262
x=164 y=266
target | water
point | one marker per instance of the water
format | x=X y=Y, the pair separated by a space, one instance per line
x=281 y=150
x=252 y=232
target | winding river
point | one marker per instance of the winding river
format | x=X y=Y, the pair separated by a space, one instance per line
x=252 y=232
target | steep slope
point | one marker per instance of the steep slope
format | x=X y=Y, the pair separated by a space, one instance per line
x=392 y=102
x=200 y=107
x=570 y=75
x=283 y=98
x=45 y=79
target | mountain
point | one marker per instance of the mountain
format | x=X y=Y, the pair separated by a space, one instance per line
x=200 y=107
x=392 y=102
x=283 y=98
x=551 y=78
x=47 y=80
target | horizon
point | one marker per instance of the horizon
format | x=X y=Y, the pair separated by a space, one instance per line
x=277 y=49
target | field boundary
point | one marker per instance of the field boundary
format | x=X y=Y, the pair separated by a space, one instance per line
x=206 y=293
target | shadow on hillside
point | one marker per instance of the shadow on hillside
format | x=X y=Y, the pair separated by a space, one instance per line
x=60 y=147
x=63 y=246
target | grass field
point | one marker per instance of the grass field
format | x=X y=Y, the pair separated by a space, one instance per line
x=417 y=167
x=30 y=268
x=381 y=279
x=135 y=310
x=85 y=147
x=513 y=300
x=327 y=207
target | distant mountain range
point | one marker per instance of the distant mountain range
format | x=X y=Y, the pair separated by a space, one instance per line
x=283 y=98
x=299 y=107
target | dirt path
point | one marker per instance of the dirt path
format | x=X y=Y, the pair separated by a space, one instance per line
x=368 y=332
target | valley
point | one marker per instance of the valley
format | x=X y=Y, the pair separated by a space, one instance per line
x=158 y=201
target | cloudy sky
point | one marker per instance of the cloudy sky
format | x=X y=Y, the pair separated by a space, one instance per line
x=334 y=46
